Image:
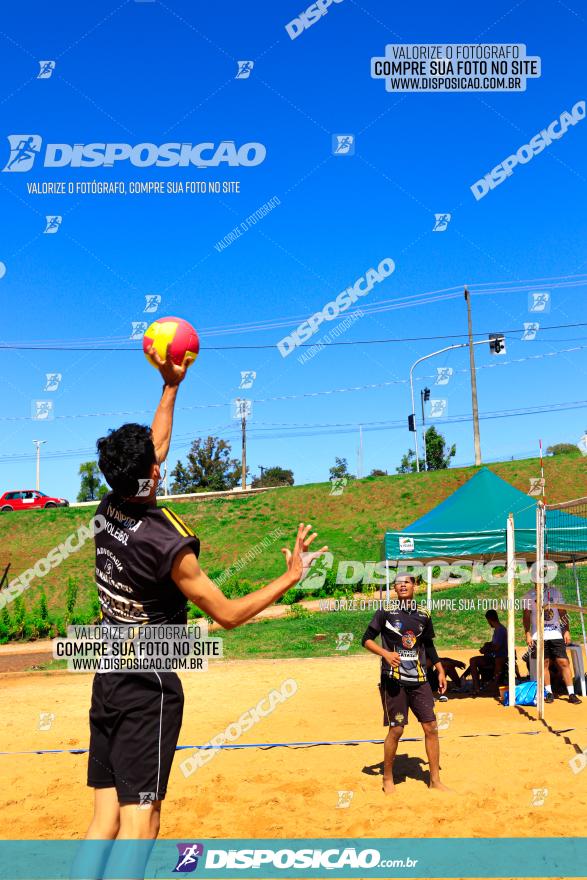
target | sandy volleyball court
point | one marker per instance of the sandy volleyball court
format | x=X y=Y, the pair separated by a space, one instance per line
x=294 y=792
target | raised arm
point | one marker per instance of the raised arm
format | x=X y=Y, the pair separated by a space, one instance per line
x=162 y=425
x=229 y=613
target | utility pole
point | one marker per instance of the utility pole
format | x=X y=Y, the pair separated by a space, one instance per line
x=261 y=468
x=244 y=451
x=360 y=453
x=38 y=444
x=476 y=437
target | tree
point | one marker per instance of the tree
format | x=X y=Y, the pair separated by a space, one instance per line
x=563 y=449
x=340 y=470
x=377 y=472
x=408 y=463
x=91 y=487
x=273 y=476
x=437 y=456
x=209 y=468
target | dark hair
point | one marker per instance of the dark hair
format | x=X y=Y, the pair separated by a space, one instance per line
x=125 y=456
x=491 y=614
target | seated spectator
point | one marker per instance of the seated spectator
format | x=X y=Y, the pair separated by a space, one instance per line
x=556 y=679
x=494 y=654
x=451 y=673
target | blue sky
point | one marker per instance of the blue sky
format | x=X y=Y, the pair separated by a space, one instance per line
x=156 y=72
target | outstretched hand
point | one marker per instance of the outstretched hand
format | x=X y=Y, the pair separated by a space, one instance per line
x=299 y=560
x=171 y=373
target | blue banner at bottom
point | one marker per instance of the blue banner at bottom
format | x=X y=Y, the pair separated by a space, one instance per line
x=304 y=858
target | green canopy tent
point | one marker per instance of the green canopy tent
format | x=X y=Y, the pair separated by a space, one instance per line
x=472 y=522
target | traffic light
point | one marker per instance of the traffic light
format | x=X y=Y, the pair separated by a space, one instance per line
x=412 y=422
x=426 y=395
x=497 y=343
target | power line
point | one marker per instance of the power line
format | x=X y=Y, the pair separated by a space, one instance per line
x=33 y=346
x=262 y=430
x=304 y=395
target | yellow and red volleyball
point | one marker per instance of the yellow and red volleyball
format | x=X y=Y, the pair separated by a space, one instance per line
x=176 y=333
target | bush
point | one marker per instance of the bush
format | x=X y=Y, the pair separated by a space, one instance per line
x=38 y=625
x=235 y=587
x=299 y=611
x=344 y=592
x=293 y=595
x=194 y=612
x=95 y=608
x=59 y=626
x=563 y=449
x=43 y=609
x=71 y=594
x=5 y=626
x=19 y=618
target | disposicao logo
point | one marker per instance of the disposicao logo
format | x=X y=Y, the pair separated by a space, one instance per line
x=361 y=287
x=188 y=857
x=554 y=132
x=24 y=149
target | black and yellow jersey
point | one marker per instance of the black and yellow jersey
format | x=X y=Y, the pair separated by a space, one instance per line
x=134 y=556
x=410 y=633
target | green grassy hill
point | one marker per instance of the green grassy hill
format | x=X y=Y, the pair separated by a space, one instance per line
x=352 y=524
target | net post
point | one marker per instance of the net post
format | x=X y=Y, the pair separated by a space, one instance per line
x=580 y=604
x=511 y=570
x=540 y=527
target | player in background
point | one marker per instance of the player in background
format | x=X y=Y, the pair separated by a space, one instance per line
x=406 y=642
x=556 y=638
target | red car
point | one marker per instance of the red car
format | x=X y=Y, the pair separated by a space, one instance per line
x=29 y=498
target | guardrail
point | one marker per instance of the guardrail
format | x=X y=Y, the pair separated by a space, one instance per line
x=194 y=496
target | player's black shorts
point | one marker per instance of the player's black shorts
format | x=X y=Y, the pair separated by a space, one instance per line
x=135 y=719
x=396 y=701
x=553 y=649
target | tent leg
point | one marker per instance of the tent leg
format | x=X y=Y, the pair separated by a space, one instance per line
x=511 y=569
x=580 y=603
x=429 y=587
x=540 y=555
x=387 y=580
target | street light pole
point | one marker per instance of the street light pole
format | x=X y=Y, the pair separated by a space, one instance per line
x=416 y=441
x=38 y=444
x=476 y=435
x=425 y=358
x=244 y=452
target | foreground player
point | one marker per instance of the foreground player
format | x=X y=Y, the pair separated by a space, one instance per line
x=146 y=568
x=407 y=640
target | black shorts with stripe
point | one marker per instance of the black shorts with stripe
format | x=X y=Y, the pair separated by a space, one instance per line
x=397 y=700
x=135 y=719
x=554 y=649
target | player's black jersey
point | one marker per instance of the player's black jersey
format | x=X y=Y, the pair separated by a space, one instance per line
x=134 y=556
x=411 y=634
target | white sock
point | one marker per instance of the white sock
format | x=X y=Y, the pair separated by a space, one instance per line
x=570 y=689
x=548 y=688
